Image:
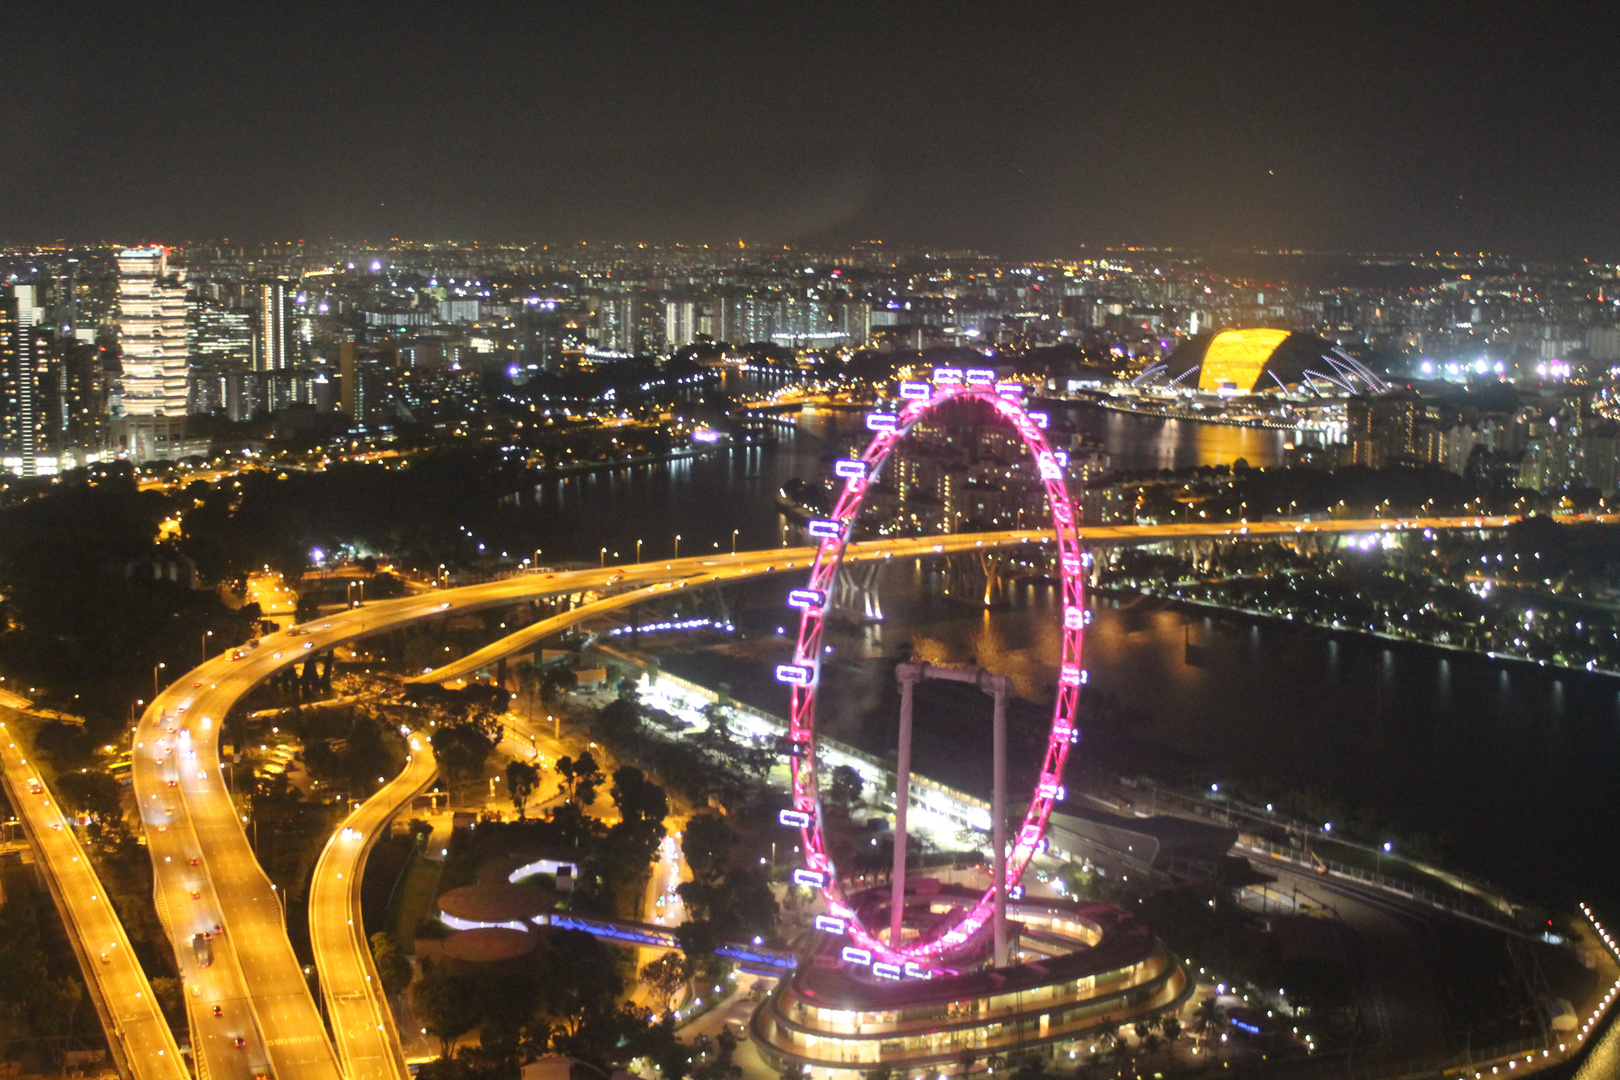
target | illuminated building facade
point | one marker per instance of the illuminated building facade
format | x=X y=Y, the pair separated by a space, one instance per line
x=1260 y=361
x=152 y=329
x=153 y=393
x=1085 y=967
x=272 y=347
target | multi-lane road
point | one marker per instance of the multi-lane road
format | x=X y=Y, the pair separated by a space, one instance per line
x=205 y=870
x=140 y=1037
x=368 y=1046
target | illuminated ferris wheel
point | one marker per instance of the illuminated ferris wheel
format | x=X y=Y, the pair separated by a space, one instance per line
x=918 y=958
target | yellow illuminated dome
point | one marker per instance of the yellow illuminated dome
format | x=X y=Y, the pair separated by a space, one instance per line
x=1235 y=359
x=1260 y=361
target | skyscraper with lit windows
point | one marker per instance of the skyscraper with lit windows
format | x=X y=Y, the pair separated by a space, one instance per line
x=152 y=391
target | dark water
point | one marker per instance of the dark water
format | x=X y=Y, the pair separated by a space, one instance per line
x=704 y=500
x=1515 y=770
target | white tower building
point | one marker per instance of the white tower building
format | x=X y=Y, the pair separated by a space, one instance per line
x=152 y=329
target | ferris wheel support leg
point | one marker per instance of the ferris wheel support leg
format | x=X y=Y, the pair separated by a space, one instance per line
x=998 y=817
x=908 y=674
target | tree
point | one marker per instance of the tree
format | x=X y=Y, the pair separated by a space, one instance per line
x=553 y=684
x=716 y=738
x=618 y=721
x=664 y=1049
x=393 y=969
x=667 y=976
x=707 y=843
x=580 y=778
x=51 y=1008
x=697 y=940
x=638 y=798
x=750 y=908
x=1033 y=1068
x=632 y=842
x=521 y=780
x=507 y=1008
x=845 y=786
x=720 y=1064
x=965 y=1059
x=1171 y=1027
x=96 y=794
x=462 y=750
x=448 y=1007
x=171 y=998
x=884 y=1071
x=579 y=980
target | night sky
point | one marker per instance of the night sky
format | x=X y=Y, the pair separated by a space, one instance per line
x=1027 y=129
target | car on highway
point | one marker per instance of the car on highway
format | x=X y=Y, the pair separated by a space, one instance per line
x=174 y=783
x=218 y=1011
x=35 y=787
x=239 y=1042
x=195 y=895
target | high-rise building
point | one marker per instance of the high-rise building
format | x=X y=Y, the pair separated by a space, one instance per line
x=1383 y=430
x=362 y=385
x=152 y=391
x=13 y=366
x=152 y=329
x=680 y=323
x=25 y=373
x=221 y=333
x=616 y=323
x=273 y=345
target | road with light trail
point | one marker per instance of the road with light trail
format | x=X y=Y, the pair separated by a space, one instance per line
x=195 y=817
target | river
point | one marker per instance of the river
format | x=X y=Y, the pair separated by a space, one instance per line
x=1512 y=770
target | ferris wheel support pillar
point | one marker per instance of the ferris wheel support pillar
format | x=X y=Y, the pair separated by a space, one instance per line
x=908 y=675
x=997 y=685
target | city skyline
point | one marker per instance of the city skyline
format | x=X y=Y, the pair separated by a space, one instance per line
x=1030 y=131
x=833 y=541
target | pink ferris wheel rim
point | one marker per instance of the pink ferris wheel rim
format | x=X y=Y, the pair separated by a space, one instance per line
x=922 y=956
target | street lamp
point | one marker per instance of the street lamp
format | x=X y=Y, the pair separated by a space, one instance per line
x=677 y=545
x=160 y=666
x=638 y=551
x=206 y=635
x=603 y=563
x=734 y=541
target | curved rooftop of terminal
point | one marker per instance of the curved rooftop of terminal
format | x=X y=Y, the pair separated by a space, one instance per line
x=1087 y=966
x=1259 y=361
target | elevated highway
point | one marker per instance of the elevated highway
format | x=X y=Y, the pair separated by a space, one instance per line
x=205 y=869
x=142 y=1044
x=721 y=568
x=368 y=1046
